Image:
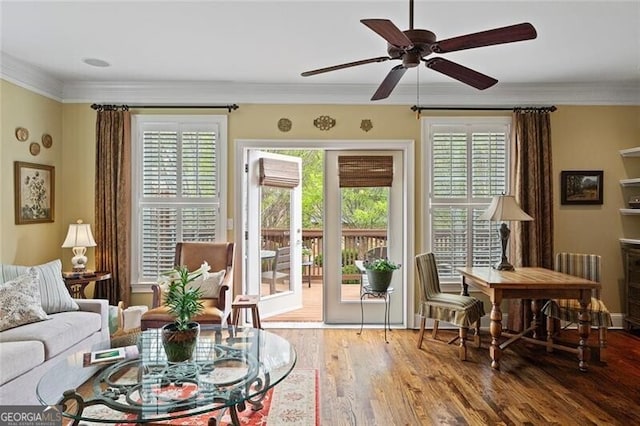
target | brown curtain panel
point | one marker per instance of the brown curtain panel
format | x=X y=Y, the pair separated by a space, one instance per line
x=113 y=203
x=533 y=181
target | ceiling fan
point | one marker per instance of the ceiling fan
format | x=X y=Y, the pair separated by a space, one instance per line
x=414 y=45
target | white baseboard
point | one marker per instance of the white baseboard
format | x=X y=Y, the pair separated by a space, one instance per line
x=617 y=318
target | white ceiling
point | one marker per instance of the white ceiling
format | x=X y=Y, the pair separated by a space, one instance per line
x=183 y=46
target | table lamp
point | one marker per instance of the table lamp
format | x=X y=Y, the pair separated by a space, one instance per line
x=504 y=208
x=79 y=237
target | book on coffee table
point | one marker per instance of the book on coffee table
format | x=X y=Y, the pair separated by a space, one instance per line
x=89 y=359
x=107 y=355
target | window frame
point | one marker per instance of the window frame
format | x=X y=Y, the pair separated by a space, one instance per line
x=138 y=122
x=428 y=123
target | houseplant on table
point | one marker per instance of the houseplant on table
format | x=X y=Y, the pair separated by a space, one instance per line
x=380 y=272
x=183 y=300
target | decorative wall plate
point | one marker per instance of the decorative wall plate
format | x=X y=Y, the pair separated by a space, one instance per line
x=47 y=140
x=284 y=124
x=366 y=125
x=34 y=148
x=22 y=134
x=324 y=122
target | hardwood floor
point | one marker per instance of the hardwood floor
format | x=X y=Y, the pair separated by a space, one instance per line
x=364 y=381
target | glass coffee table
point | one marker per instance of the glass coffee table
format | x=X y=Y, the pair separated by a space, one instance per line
x=232 y=368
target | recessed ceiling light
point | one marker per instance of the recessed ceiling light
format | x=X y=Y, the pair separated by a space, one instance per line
x=94 y=62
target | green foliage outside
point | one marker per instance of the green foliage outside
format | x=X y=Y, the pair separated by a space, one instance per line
x=362 y=208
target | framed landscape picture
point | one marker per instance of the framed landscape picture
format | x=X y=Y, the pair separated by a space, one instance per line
x=581 y=187
x=34 y=186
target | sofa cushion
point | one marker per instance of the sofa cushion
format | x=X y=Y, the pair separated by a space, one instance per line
x=20 y=301
x=18 y=358
x=53 y=293
x=62 y=331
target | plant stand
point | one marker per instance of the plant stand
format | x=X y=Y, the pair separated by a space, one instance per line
x=368 y=292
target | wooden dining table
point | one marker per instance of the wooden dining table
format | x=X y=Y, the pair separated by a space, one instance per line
x=534 y=284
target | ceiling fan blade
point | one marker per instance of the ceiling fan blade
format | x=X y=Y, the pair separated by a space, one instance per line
x=461 y=73
x=347 y=65
x=387 y=30
x=518 y=32
x=389 y=83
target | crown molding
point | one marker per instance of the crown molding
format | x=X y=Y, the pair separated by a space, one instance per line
x=453 y=94
x=207 y=92
x=29 y=77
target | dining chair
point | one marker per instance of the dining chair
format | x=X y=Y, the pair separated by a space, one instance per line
x=462 y=311
x=217 y=306
x=280 y=269
x=584 y=266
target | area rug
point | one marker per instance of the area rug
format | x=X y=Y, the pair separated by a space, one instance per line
x=293 y=402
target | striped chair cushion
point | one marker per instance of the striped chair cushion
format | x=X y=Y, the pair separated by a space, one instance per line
x=462 y=311
x=569 y=310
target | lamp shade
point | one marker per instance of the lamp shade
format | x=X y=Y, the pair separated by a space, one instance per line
x=504 y=208
x=79 y=235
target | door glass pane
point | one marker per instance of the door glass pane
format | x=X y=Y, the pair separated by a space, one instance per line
x=364 y=234
x=275 y=240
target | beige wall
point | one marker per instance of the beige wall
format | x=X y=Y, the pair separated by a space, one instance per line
x=590 y=138
x=583 y=137
x=34 y=243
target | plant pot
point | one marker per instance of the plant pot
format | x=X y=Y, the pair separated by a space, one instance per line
x=379 y=280
x=180 y=344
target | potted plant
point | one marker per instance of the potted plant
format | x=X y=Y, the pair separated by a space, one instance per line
x=380 y=272
x=184 y=302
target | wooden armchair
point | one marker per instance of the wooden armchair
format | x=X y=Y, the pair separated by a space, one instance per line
x=191 y=254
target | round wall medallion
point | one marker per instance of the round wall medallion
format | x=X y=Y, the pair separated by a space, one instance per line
x=47 y=140
x=284 y=124
x=34 y=148
x=22 y=134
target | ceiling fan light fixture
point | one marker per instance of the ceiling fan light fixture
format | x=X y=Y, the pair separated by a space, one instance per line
x=414 y=45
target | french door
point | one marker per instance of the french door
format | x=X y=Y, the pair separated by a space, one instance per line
x=344 y=243
x=273 y=238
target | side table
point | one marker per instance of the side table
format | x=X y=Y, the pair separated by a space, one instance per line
x=367 y=292
x=77 y=284
x=243 y=301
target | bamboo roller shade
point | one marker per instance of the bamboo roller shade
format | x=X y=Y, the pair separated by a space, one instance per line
x=365 y=171
x=279 y=173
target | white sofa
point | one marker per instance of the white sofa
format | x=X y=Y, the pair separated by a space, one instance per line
x=28 y=351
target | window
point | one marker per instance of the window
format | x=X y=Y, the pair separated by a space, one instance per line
x=177 y=171
x=466 y=165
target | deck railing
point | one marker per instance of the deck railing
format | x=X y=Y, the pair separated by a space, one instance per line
x=355 y=244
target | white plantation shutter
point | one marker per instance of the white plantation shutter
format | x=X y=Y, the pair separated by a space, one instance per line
x=178 y=198
x=468 y=164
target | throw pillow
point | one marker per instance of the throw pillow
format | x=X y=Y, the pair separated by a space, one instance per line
x=53 y=293
x=20 y=301
x=210 y=285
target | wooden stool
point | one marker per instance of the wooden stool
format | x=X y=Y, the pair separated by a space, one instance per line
x=246 y=302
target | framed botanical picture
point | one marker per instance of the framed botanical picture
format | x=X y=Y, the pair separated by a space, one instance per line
x=581 y=187
x=34 y=186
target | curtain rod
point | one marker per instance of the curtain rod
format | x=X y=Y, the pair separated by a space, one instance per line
x=98 y=107
x=551 y=108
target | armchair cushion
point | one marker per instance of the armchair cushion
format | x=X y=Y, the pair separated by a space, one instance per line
x=210 y=286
